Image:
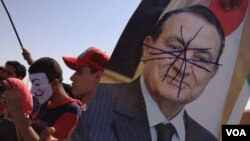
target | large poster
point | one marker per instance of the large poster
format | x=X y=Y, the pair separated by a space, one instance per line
x=225 y=97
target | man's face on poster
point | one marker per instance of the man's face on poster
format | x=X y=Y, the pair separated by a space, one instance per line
x=182 y=60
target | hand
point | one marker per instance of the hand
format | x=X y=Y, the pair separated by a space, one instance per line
x=27 y=56
x=46 y=134
x=13 y=103
x=229 y=5
x=6 y=113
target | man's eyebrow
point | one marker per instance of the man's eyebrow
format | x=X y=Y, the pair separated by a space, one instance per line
x=198 y=50
x=175 y=38
x=34 y=80
x=207 y=52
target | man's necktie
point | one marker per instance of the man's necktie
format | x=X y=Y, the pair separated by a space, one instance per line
x=165 y=132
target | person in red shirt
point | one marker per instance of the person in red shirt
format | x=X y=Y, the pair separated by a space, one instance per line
x=89 y=67
x=57 y=108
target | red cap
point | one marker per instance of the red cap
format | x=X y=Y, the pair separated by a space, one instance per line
x=92 y=57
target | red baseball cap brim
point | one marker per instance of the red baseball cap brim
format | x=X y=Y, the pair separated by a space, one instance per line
x=73 y=63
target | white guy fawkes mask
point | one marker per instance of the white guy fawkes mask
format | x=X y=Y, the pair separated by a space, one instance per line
x=41 y=87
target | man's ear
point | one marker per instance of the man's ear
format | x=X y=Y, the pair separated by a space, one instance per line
x=98 y=76
x=146 y=47
x=55 y=83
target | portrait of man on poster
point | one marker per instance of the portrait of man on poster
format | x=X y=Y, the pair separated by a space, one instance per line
x=180 y=57
x=224 y=96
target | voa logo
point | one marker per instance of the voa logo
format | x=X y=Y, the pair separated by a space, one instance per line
x=236 y=132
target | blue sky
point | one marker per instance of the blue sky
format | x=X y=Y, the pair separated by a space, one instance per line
x=57 y=28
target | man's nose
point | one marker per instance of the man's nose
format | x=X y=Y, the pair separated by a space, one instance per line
x=72 y=77
x=182 y=66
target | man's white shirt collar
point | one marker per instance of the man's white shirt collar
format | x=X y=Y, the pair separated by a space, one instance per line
x=155 y=115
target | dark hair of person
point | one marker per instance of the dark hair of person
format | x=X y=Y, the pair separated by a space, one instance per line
x=68 y=89
x=49 y=66
x=20 y=69
x=197 y=10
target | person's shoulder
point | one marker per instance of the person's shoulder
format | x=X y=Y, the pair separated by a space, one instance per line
x=112 y=85
x=119 y=86
x=71 y=105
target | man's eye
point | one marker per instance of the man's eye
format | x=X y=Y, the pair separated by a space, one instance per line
x=203 y=59
x=174 y=47
x=36 y=84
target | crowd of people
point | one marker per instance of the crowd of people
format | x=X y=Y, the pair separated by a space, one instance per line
x=141 y=110
x=25 y=112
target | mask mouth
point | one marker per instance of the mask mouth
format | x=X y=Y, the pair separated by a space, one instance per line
x=38 y=95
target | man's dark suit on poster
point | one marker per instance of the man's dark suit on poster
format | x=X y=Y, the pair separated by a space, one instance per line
x=120 y=115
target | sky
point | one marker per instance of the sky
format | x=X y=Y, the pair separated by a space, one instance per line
x=56 y=28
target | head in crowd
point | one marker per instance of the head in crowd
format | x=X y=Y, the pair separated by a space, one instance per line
x=19 y=87
x=89 y=67
x=45 y=74
x=181 y=55
x=14 y=69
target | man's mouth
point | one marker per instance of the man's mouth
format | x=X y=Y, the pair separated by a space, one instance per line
x=38 y=95
x=177 y=82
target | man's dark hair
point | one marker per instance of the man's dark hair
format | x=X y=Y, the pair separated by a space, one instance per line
x=49 y=66
x=20 y=69
x=68 y=89
x=197 y=10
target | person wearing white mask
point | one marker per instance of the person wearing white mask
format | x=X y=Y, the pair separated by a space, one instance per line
x=57 y=108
